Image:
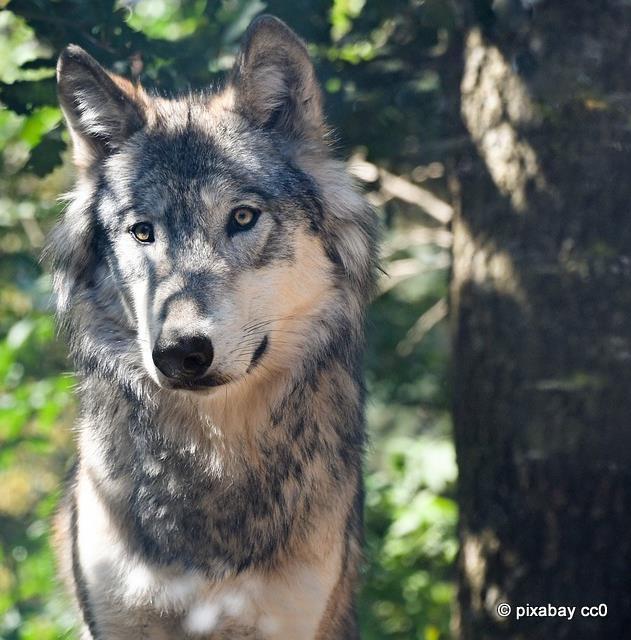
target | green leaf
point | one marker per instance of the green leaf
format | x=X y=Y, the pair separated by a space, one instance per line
x=47 y=154
x=23 y=96
x=40 y=122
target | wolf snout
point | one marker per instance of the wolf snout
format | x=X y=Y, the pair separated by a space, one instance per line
x=186 y=358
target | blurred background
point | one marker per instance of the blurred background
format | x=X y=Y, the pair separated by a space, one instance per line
x=492 y=137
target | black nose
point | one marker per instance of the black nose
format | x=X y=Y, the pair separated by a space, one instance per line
x=187 y=358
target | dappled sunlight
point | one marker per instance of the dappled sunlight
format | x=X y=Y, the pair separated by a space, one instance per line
x=495 y=106
x=478 y=260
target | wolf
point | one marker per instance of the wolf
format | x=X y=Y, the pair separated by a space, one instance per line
x=212 y=272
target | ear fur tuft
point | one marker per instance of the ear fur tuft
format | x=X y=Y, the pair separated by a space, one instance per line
x=101 y=109
x=275 y=81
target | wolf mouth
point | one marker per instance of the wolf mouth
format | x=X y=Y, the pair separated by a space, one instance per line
x=207 y=382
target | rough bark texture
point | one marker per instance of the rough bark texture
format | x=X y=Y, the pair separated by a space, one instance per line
x=541 y=303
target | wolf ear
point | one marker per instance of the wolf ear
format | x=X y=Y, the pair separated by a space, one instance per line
x=275 y=82
x=101 y=109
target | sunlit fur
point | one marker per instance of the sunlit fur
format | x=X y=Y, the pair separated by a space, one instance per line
x=232 y=509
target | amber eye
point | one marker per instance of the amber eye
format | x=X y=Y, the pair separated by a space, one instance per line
x=143 y=232
x=242 y=219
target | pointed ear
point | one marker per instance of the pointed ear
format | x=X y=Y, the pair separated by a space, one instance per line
x=102 y=110
x=274 y=80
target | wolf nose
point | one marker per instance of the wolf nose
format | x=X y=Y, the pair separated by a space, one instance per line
x=187 y=358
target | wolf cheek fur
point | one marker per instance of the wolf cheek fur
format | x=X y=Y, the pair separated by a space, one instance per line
x=218 y=347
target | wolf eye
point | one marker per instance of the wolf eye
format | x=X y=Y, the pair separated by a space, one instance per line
x=242 y=219
x=143 y=232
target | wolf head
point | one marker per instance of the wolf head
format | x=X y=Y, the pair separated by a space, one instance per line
x=210 y=237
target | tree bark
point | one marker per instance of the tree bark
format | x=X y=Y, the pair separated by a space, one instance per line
x=541 y=308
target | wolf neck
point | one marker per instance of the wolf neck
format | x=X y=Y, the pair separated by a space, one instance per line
x=239 y=409
x=199 y=495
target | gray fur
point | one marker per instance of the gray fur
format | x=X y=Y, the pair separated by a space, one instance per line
x=184 y=492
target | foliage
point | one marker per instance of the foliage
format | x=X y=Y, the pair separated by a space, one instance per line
x=383 y=66
x=410 y=521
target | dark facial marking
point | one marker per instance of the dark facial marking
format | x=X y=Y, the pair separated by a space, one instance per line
x=258 y=353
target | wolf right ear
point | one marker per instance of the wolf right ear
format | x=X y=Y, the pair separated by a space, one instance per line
x=101 y=109
x=275 y=81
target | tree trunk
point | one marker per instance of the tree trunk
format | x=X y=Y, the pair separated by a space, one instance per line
x=541 y=305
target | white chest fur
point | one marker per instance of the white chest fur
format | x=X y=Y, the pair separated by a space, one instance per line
x=282 y=605
x=279 y=607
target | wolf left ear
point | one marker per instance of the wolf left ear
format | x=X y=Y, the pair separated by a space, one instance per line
x=275 y=82
x=101 y=109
